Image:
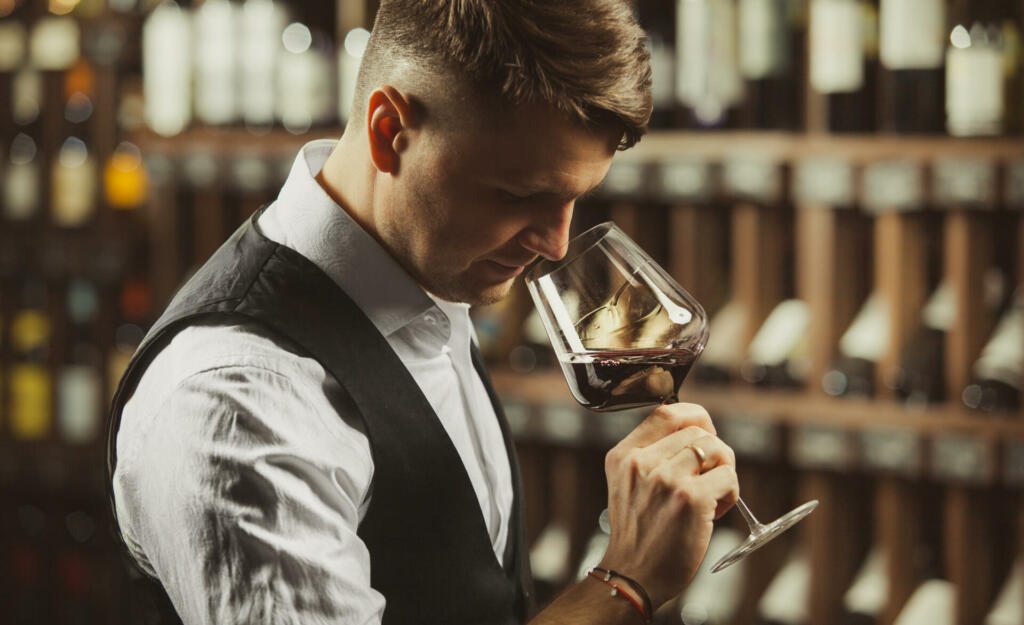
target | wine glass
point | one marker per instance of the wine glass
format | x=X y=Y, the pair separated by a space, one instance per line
x=626 y=334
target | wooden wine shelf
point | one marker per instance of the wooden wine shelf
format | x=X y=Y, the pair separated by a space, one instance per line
x=655 y=146
x=942 y=442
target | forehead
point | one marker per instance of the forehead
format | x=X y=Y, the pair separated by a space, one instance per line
x=534 y=148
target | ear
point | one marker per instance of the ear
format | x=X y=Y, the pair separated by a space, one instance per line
x=388 y=114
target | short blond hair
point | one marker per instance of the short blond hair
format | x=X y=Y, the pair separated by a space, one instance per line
x=585 y=58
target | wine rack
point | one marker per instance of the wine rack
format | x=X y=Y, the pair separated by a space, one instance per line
x=845 y=216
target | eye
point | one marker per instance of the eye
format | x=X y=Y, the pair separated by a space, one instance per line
x=508 y=196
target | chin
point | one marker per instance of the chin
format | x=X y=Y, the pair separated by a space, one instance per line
x=475 y=294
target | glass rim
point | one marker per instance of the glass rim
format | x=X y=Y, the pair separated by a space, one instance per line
x=543 y=267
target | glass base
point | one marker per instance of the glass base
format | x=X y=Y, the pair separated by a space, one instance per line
x=762 y=534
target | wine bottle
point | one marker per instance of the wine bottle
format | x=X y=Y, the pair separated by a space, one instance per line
x=778 y=353
x=79 y=385
x=260 y=24
x=21 y=191
x=125 y=180
x=708 y=82
x=661 y=46
x=860 y=349
x=786 y=600
x=167 y=69
x=998 y=371
x=714 y=598
x=1013 y=68
x=912 y=35
x=1008 y=608
x=75 y=181
x=305 y=80
x=27 y=100
x=724 y=352
x=843 y=61
x=13 y=38
x=975 y=87
x=932 y=603
x=919 y=378
x=350 y=56
x=30 y=411
x=55 y=43
x=214 y=63
x=549 y=557
x=134 y=311
x=865 y=600
x=770 y=45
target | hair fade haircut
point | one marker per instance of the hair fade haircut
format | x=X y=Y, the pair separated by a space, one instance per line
x=586 y=58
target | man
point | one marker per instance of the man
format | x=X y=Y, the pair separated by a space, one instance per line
x=307 y=434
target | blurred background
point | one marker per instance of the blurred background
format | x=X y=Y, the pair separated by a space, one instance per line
x=839 y=182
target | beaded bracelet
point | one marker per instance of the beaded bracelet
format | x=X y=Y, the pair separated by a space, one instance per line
x=648 y=609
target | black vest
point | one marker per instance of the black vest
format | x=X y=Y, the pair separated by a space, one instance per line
x=430 y=553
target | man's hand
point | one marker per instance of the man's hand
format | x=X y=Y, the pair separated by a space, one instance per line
x=662 y=499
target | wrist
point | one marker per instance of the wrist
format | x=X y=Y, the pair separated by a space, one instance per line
x=626 y=586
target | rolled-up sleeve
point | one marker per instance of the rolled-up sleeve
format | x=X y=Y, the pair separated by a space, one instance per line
x=243 y=494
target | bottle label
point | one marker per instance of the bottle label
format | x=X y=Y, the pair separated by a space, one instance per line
x=1002 y=358
x=782 y=331
x=662 y=72
x=708 y=77
x=870 y=589
x=787 y=597
x=261 y=24
x=215 y=62
x=78 y=395
x=55 y=43
x=913 y=33
x=974 y=90
x=725 y=345
x=74 y=190
x=940 y=310
x=21 y=191
x=763 y=38
x=837 y=46
x=12 y=45
x=26 y=95
x=167 y=69
x=30 y=412
x=868 y=335
x=30 y=329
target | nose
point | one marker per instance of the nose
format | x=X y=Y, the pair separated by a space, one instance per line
x=549 y=237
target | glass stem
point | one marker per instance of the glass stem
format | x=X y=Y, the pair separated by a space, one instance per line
x=748 y=516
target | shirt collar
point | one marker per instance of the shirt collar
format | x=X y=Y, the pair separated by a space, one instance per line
x=307 y=220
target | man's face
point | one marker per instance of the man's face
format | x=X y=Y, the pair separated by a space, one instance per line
x=470 y=206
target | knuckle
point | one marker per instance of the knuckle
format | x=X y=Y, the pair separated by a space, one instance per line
x=666 y=414
x=696 y=432
x=682 y=496
x=634 y=463
x=613 y=458
x=698 y=415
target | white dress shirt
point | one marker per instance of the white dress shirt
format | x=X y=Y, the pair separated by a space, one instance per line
x=241 y=487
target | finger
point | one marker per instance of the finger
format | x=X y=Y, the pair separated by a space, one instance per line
x=690 y=461
x=672 y=444
x=665 y=420
x=721 y=483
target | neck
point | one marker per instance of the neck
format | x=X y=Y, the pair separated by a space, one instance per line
x=348 y=177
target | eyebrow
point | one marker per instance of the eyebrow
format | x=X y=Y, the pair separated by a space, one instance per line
x=560 y=192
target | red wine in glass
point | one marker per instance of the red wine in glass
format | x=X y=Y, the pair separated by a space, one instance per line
x=618 y=380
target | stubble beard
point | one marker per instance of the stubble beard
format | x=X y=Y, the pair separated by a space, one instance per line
x=456 y=290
